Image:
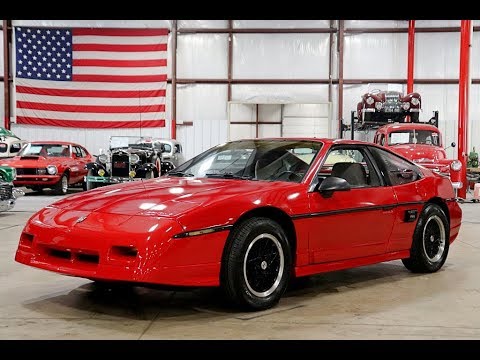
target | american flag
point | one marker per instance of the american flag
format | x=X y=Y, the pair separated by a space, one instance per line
x=91 y=77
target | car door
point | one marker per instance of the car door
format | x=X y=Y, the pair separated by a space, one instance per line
x=405 y=179
x=77 y=164
x=354 y=223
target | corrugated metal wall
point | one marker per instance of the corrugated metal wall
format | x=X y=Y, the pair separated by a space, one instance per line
x=287 y=56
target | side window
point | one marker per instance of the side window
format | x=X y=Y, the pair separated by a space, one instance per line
x=351 y=164
x=178 y=147
x=84 y=152
x=77 y=151
x=15 y=148
x=396 y=170
x=382 y=139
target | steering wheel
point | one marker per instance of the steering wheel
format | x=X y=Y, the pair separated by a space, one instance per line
x=290 y=172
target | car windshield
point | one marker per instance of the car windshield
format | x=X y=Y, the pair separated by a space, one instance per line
x=46 y=150
x=275 y=160
x=425 y=137
x=136 y=142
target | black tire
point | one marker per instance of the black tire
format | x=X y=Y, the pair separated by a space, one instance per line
x=431 y=240
x=262 y=240
x=60 y=188
x=88 y=184
x=150 y=174
x=414 y=117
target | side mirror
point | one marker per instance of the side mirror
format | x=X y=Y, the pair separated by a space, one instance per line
x=333 y=183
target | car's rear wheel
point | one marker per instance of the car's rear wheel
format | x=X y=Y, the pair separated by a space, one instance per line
x=257 y=264
x=430 y=241
x=61 y=187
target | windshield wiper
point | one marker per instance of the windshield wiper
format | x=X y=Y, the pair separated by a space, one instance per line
x=179 y=173
x=228 y=175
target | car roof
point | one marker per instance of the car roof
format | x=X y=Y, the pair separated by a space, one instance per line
x=416 y=126
x=51 y=142
x=326 y=141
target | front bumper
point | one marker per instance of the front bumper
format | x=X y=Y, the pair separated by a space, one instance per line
x=114 y=247
x=108 y=179
x=36 y=180
x=8 y=204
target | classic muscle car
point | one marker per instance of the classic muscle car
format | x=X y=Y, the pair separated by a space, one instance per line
x=50 y=164
x=248 y=216
x=421 y=143
x=128 y=158
x=10 y=144
x=8 y=194
x=388 y=106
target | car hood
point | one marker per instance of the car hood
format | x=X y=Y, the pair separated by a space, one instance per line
x=420 y=153
x=164 y=196
x=30 y=161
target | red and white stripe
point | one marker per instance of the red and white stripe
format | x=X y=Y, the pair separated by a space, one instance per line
x=118 y=80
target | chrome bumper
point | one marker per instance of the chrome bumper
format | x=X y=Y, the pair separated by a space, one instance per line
x=8 y=204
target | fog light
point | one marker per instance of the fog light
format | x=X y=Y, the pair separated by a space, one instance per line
x=132 y=174
x=406 y=106
x=101 y=172
x=378 y=105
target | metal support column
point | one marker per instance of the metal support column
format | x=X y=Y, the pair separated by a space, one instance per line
x=174 y=79
x=464 y=79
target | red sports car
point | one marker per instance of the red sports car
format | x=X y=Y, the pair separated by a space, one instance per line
x=248 y=216
x=50 y=164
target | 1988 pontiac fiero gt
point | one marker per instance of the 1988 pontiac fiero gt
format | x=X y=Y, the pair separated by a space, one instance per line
x=248 y=215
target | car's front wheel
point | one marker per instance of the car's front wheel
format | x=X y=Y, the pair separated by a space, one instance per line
x=257 y=264
x=61 y=187
x=430 y=241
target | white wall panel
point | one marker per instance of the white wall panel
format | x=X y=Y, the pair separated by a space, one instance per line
x=92 y=139
x=474 y=119
x=377 y=56
x=443 y=98
x=202 y=24
x=96 y=23
x=433 y=61
x=1 y=51
x=376 y=24
x=284 y=56
x=475 y=56
x=206 y=106
x=437 y=23
x=202 y=56
x=305 y=93
x=281 y=24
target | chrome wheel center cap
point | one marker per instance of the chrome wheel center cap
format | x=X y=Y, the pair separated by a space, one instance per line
x=432 y=239
x=263 y=265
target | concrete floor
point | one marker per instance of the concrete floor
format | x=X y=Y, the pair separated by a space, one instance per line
x=382 y=301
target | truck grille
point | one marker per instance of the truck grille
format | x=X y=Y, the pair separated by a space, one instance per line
x=392 y=103
x=6 y=191
x=120 y=165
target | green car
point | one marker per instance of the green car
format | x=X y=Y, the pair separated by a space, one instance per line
x=8 y=194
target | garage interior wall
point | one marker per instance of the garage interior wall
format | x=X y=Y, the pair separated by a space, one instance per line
x=244 y=60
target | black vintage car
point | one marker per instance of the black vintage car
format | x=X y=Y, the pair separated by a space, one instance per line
x=128 y=159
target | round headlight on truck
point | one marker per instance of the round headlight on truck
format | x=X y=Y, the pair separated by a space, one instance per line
x=370 y=100
x=103 y=158
x=134 y=158
x=415 y=101
x=51 y=169
x=456 y=165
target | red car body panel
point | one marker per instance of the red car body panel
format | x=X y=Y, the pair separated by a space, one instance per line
x=433 y=157
x=148 y=231
x=75 y=166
